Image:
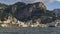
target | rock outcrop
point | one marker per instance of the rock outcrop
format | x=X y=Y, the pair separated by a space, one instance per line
x=27 y=12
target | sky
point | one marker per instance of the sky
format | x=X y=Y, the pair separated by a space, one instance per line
x=50 y=4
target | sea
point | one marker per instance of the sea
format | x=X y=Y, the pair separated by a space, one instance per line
x=30 y=30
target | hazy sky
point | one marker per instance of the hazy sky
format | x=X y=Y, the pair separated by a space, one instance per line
x=50 y=4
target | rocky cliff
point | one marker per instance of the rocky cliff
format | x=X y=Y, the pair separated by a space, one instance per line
x=27 y=12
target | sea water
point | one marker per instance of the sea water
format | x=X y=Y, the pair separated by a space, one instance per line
x=29 y=30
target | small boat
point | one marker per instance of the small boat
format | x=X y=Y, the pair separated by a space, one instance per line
x=51 y=26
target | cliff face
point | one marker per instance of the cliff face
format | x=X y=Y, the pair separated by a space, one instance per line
x=25 y=12
x=28 y=12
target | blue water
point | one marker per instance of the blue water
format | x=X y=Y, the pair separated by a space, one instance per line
x=49 y=30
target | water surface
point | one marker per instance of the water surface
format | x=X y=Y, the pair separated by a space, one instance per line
x=29 y=30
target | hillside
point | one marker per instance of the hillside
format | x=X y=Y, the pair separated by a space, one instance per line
x=27 y=12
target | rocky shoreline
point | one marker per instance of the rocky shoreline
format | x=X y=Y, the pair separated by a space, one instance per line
x=13 y=22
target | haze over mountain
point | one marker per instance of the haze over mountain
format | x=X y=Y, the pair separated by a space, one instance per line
x=50 y=4
x=27 y=1
x=57 y=11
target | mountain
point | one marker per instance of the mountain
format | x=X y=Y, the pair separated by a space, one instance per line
x=29 y=12
x=57 y=11
x=2 y=12
x=25 y=12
